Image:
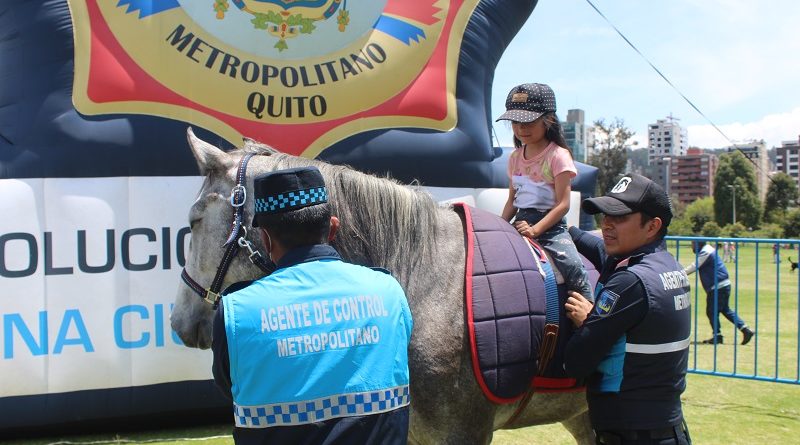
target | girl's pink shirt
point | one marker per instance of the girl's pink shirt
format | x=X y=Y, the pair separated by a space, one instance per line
x=534 y=179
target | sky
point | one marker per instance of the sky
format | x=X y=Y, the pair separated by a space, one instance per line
x=738 y=61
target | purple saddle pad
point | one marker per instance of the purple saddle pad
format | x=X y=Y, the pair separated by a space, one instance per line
x=505 y=303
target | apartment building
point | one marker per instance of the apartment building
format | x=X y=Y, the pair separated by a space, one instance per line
x=692 y=175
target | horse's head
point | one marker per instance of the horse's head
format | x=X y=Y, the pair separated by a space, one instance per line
x=406 y=217
x=210 y=219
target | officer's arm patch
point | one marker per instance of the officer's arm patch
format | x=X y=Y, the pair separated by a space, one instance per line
x=606 y=302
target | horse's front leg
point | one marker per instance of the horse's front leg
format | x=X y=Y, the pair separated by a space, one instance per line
x=581 y=429
x=449 y=408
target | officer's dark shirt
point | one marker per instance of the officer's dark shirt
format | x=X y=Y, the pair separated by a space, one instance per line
x=643 y=407
x=389 y=428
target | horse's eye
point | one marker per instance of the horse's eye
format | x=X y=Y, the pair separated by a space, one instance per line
x=194 y=222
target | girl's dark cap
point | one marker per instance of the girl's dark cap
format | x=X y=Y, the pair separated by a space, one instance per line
x=528 y=102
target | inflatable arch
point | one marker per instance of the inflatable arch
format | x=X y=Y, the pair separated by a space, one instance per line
x=96 y=176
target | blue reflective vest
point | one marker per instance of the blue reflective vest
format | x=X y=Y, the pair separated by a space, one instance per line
x=315 y=341
x=712 y=270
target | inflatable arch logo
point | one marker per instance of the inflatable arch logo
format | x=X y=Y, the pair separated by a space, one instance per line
x=297 y=74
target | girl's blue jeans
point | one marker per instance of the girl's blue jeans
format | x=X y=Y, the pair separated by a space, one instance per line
x=559 y=245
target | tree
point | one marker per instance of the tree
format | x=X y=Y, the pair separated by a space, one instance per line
x=737 y=171
x=678 y=206
x=681 y=227
x=711 y=229
x=782 y=193
x=734 y=231
x=638 y=159
x=770 y=230
x=792 y=227
x=699 y=213
x=609 y=151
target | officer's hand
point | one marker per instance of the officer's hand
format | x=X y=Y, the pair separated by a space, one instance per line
x=577 y=308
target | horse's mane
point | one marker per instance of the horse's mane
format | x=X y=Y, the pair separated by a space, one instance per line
x=383 y=223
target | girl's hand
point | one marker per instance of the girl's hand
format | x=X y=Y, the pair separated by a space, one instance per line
x=525 y=229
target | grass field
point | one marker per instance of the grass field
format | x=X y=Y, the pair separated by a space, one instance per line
x=719 y=410
x=767 y=302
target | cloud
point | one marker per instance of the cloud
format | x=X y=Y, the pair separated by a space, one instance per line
x=772 y=128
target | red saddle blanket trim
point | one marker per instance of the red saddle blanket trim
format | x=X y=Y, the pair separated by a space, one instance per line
x=551 y=385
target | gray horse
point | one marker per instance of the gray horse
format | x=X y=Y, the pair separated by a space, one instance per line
x=392 y=226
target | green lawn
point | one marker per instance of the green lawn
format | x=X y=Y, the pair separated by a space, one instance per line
x=767 y=302
x=719 y=410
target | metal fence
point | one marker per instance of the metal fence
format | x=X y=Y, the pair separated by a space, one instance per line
x=764 y=292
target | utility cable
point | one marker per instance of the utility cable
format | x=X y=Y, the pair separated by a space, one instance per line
x=696 y=108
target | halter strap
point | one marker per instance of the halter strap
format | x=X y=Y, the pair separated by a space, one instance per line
x=238 y=198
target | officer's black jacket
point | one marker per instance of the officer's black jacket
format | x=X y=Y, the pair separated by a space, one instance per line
x=647 y=393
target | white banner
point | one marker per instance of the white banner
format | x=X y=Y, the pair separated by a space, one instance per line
x=89 y=269
x=88 y=273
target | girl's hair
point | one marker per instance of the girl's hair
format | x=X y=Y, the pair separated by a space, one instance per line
x=553 y=132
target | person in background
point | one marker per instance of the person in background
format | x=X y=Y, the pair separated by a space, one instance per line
x=632 y=344
x=540 y=171
x=317 y=351
x=716 y=282
x=726 y=252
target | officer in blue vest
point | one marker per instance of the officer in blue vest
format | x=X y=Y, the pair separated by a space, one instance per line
x=632 y=345
x=317 y=351
x=717 y=284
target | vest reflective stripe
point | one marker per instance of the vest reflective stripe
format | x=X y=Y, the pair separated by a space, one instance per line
x=319 y=410
x=658 y=348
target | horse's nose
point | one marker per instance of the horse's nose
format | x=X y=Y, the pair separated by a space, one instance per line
x=193 y=335
x=188 y=336
x=203 y=335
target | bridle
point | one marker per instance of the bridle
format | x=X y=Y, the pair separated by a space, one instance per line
x=211 y=295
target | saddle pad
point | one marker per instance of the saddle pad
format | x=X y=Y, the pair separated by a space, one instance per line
x=505 y=303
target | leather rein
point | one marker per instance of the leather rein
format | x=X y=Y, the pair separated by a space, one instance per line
x=211 y=295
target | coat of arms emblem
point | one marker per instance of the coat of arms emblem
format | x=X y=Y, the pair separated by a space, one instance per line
x=299 y=75
x=286 y=19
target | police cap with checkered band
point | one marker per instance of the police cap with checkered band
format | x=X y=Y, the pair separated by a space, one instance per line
x=286 y=190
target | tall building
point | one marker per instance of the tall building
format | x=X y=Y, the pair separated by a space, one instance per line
x=787 y=159
x=666 y=138
x=692 y=175
x=575 y=134
x=756 y=151
x=589 y=142
x=659 y=172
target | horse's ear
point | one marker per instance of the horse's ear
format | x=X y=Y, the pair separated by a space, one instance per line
x=260 y=148
x=209 y=157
